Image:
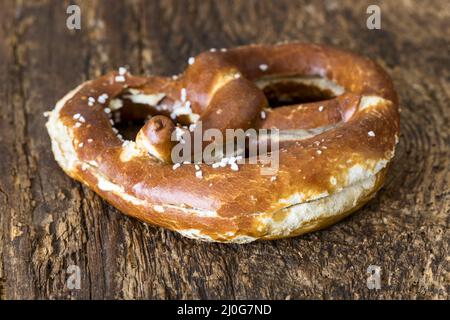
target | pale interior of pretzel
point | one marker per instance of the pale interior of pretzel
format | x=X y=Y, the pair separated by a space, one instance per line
x=296 y=214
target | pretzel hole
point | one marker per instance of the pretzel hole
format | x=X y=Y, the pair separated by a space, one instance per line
x=131 y=116
x=291 y=90
x=290 y=93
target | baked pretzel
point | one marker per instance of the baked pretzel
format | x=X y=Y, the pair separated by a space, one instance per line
x=333 y=154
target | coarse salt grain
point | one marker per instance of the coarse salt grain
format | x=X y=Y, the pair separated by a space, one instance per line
x=122 y=71
x=176 y=165
x=191 y=60
x=234 y=167
x=263 y=67
x=119 y=79
x=263 y=114
x=371 y=134
x=199 y=174
x=320 y=108
x=183 y=94
x=102 y=98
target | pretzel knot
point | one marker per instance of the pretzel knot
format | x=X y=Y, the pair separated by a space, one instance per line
x=336 y=114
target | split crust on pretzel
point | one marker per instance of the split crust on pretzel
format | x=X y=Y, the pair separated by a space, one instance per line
x=333 y=160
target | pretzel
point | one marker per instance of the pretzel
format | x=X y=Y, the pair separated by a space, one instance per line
x=333 y=153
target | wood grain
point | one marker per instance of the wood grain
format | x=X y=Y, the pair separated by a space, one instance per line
x=49 y=221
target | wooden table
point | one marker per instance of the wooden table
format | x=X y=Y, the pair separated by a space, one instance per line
x=49 y=222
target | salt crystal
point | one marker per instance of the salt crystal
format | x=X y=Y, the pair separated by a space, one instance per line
x=263 y=67
x=122 y=71
x=176 y=165
x=263 y=115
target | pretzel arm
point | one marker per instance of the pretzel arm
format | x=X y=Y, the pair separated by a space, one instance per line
x=311 y=115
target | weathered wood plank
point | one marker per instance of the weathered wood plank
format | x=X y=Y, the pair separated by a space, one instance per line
x=49 y=222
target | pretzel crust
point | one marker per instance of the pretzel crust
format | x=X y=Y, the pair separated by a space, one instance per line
x=321 y=178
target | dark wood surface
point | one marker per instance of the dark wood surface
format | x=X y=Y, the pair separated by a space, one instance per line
x=48 y=221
